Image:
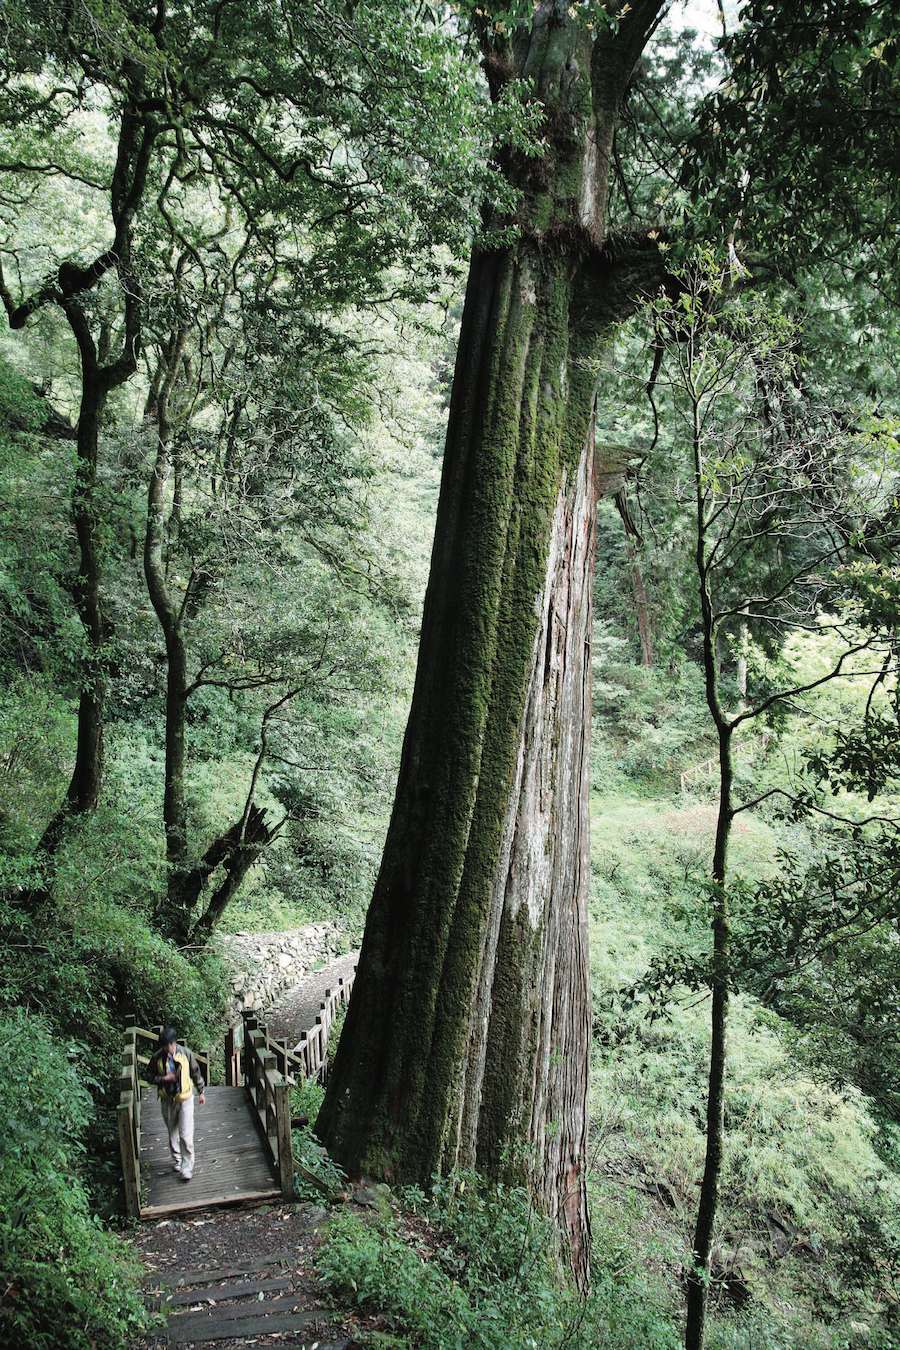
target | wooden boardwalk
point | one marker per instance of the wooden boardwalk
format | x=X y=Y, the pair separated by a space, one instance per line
x=242 y=1133
x=232 y=1164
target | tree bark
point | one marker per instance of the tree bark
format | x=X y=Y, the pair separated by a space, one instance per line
x=639 y=590
x=171 y=915
x=467 y=1037
x=642 y=607
x=83 y=791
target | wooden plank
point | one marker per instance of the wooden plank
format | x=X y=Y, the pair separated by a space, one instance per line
x=172 y=1188
x=184 y=1330
x=238 y=1167
x=208 y=1150
x=230 y=1311
x=208 y=1202
x=232 y=1170
x=189 y=1194
x=285 y=1145
x=222 y=1293
x=179 y=1279
x=229 y=1058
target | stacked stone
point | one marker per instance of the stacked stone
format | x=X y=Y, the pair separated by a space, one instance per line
x=265 y=965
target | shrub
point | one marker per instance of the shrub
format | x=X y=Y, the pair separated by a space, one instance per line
x=67 y=1284
x=472 y=1265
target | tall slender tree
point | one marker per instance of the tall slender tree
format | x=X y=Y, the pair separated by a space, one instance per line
x=108 y=352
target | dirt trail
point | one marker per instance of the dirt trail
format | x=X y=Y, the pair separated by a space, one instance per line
x=295 y=1012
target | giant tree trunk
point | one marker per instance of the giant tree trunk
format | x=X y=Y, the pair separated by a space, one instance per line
x=469 y=1027
x=468 y=1033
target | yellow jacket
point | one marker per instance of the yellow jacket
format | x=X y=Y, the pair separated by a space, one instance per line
x=187 y=1068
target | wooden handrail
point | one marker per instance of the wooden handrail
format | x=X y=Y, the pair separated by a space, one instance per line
x=688 y=776
x=269 y=1094
x=268 y=1068
x=128 y=1114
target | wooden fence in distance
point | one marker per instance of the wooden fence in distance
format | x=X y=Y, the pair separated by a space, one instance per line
x=312 y=1047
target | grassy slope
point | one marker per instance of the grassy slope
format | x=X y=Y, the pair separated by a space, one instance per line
x=802 y=1175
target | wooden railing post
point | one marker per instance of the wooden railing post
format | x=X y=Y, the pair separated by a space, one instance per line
x=282 y=1094
x=229 y=1058
x=267 y=1061
x=202 y=1058
x=249 y=1026
x=130 y=1170
x=128 y=1120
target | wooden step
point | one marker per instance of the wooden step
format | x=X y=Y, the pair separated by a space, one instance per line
x=177 y=1279
x=231 y=1310
x=200 y=1327
x=223 y=1293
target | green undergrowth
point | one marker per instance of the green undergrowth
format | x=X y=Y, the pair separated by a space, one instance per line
x=316 y=1176
x=66 y=1283
x=472 y=1265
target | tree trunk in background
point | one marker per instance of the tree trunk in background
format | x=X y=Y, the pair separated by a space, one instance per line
x=171 y=916
x=642 y=608
x=639 y=590
x=742 y=635
x=699 y=1272
x=84 y=786
x=468 y=1033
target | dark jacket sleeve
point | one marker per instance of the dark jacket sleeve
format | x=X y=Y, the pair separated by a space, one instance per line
x=151 y=1071
x=194 y=1069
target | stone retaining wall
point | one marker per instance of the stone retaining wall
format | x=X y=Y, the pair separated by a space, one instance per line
x=265 y=965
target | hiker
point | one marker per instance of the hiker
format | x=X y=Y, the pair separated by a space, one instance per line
x=175 y=1073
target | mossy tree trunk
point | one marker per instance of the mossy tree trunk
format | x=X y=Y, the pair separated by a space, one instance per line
x=468 y=1034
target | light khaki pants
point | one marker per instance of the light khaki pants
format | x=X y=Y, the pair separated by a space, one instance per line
x=179 y=1118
